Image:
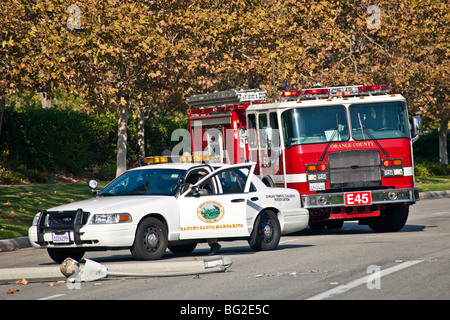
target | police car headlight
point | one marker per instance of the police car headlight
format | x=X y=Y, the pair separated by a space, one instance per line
x=36 y=219
x=111 y=218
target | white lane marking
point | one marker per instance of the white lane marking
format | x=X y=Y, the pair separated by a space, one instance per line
x=51 y=297
x=355 y=283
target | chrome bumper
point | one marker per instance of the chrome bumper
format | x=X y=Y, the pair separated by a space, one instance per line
x=324 y=200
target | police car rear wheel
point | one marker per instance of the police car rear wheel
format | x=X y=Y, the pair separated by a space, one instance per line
x=266 y=233
x=151 y=241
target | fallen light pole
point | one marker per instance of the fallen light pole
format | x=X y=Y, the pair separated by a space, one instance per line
x=92 y=270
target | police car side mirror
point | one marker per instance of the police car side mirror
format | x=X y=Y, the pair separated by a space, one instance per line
x=93 y=185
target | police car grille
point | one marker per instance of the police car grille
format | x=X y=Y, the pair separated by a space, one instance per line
x=354 y=169
x=63 y=219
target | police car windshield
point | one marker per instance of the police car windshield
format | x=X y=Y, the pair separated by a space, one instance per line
x=145 y=182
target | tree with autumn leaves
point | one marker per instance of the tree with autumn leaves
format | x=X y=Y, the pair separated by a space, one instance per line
x=109 y=52
x=146 y=56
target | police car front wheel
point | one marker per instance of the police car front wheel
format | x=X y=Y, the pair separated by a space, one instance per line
x=151 y=240
x=266 y=233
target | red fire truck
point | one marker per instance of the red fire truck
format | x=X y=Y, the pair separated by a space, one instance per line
x=347 y=150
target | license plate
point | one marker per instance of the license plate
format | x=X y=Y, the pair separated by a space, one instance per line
x=61 y=238
x=317 y=186
x=358 y=198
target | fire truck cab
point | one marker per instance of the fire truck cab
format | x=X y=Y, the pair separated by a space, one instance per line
x=347 y=150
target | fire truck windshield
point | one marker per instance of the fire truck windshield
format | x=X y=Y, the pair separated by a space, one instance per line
x=379 y=121
x=324 y=124
x=314 y=125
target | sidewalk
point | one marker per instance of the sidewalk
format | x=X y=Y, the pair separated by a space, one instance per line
x=24 y=242
x=434 y=194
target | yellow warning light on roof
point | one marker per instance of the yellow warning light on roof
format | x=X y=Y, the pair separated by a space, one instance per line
x=182 y=159
x=154 y=160
x=195 y=158
x=198 y=158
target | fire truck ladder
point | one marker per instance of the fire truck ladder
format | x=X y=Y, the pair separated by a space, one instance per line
x=226 y=98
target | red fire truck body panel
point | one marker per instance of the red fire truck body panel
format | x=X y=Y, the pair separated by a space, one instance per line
x=349 y=157
x=224 y=120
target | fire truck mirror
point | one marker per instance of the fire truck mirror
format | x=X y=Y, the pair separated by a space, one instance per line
x=267 y=136
x=416 y=129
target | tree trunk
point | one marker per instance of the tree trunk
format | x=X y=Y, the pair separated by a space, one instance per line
x=141 y=134
x=443 y=128
x=2 y=109
x=122 y=140
x=46 y=100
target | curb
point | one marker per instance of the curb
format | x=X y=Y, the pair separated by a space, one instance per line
x=434 y=194
x=24 y=242
x=14 y=243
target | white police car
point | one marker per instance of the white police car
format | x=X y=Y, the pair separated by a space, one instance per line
x=174 y=205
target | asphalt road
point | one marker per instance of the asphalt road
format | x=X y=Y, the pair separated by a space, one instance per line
x=352 y=263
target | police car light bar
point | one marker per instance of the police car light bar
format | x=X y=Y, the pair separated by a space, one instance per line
x=346 y=91
x=181 y=159
x=228 y=97
x=155 y=160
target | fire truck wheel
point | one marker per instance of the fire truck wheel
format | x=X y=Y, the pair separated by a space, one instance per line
x=334 y=224
x=316 y=225
x=59 y=255
x=392 y=218
x=266 y=233
x=268 y=181
x=151 y=240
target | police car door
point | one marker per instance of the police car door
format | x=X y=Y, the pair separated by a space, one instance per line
x=215 y=207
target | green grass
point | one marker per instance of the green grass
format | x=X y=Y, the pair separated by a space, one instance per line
x=437 y=183
x=19 y=204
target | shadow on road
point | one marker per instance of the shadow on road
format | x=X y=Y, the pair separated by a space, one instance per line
x=353 y=228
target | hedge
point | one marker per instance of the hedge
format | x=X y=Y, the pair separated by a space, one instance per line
x=35 y=140
x=54 y=140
